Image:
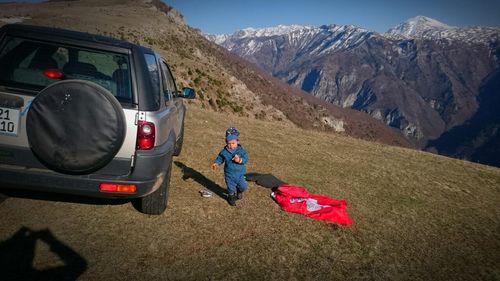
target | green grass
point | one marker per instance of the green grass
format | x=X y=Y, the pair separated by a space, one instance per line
x=418 y=216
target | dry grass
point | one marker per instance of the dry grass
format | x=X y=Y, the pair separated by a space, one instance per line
x=418 y=216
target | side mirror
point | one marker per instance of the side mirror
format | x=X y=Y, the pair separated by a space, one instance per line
x=188 y=93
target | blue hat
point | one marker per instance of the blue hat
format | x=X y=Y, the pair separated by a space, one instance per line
x=232 y=134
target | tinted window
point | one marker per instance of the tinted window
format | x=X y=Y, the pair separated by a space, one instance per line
x=154 y=74
x=29 y=64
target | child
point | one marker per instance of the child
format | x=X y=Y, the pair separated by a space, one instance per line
x=235 y=158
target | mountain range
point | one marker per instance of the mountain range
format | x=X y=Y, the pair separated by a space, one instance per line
x=224 y=82
x=423 y=77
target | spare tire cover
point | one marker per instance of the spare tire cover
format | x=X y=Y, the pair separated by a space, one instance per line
x=75 y=126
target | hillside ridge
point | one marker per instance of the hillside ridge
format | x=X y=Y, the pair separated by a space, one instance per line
x=223 y=81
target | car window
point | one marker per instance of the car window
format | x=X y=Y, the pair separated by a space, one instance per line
x=168 y=79
x=35 y=64
x=154 y=75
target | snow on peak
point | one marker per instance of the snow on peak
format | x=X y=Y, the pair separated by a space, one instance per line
x=270 y=31
x=417 y=26
x=216 y=38
x=291 y=30
x=426 y=28
x=323 y=39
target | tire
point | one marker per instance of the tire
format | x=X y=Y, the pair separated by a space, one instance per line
x=3 y=197
x=179 y=142
x=75 y=127
x=156 y=202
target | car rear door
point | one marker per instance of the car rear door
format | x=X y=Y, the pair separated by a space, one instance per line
x=169 y=90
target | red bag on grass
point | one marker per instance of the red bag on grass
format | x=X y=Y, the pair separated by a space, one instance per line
x=296 y=199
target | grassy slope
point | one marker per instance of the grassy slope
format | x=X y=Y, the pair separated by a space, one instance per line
x=418 y=216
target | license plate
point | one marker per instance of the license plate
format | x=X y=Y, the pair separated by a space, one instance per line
x=9 y=121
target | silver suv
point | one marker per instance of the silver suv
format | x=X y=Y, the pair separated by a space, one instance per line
x=87 y=115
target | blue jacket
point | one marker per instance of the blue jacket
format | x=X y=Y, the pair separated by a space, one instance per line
x=232 y=168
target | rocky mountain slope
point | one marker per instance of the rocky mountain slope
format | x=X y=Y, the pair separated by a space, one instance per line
x=419 y=77
x=224 y=82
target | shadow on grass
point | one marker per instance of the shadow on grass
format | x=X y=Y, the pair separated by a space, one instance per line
x=190 y=173
x=18 y=253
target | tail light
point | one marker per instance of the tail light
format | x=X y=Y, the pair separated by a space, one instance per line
x=116 y=187
x=145 y=135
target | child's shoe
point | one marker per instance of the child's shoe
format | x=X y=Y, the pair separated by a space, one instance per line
x=239 y=195
x=232 y=199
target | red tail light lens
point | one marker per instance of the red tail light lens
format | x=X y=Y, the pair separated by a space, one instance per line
x=115 y=187
x=145 y=135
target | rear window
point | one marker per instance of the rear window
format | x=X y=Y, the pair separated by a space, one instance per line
x=33 y=64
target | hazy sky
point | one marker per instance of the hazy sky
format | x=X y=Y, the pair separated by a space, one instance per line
x=228 y=16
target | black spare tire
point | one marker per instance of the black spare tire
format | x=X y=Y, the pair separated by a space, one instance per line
x=75 y=126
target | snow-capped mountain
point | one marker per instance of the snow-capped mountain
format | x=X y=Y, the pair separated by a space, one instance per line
x=417 y=26
x=259 y=32
x=421 y=27
x=272 y=31
x=418 y=77
x=336 y=37
x=288 y=42
x=218 y=39
x=345 y=35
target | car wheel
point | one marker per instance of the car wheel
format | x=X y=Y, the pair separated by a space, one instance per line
x=179 y=142
x=75 y=126
x=2 y=197
x=156 y=202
